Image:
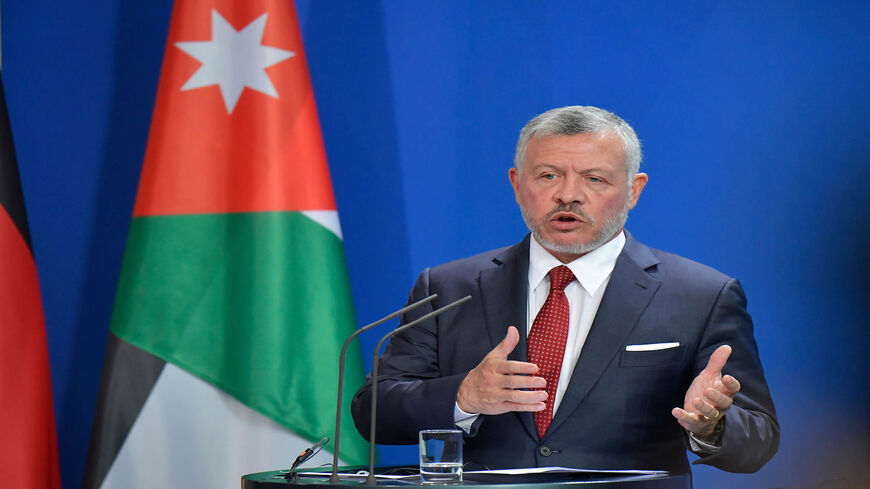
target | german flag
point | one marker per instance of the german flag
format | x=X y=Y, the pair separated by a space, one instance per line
x=28 y=444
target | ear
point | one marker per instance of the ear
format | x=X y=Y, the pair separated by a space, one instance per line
x=514 y=176
x=637 y=186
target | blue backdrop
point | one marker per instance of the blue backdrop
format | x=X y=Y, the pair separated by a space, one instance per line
x=753 y=117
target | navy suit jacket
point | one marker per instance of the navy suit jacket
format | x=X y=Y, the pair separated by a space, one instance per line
x=616 y=412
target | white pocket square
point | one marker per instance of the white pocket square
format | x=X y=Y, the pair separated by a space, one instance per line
x=652 y=346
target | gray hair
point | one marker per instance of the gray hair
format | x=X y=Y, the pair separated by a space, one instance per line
x=578 y=119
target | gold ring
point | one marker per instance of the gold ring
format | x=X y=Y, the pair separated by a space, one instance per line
x=715 y=416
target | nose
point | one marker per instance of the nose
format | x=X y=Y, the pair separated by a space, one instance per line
x=570 y=190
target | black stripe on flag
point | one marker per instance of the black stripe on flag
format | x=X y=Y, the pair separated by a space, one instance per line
x=129 y=375
x=11 y=197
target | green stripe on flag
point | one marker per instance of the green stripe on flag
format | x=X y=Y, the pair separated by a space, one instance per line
x=257 y=304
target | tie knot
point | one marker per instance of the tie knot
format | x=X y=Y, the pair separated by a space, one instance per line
x=560 y=277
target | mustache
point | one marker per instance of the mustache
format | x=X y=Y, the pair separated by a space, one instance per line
x=573 y=209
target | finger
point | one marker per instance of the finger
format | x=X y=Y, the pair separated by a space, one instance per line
x=686 y=419
x=731 y=385
x=515 y=406
x=524 y=382
x=513 y=367
x=719 y=400
x=525 y=397
x=705 y=409
x=683 y=415
x=717 y=360
x=507 y=345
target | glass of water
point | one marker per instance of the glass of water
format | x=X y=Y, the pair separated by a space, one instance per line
x=441 y=456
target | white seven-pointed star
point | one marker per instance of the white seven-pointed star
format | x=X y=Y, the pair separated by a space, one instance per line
x=233 y=59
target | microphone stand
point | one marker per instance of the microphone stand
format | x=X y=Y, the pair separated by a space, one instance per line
x=370 y=480
x=333 y=479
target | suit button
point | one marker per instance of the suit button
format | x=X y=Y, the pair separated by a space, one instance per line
x=545 y=451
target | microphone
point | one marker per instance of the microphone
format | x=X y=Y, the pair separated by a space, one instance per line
x=333 y=479
x=304 y=457
x=370 y=480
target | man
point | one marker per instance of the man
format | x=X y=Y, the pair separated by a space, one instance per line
x=581 y=347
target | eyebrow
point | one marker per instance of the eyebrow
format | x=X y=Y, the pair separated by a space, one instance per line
x=597 y=170
x=543 y=166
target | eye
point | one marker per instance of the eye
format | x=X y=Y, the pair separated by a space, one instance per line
x=548 y=176
x=596 y=180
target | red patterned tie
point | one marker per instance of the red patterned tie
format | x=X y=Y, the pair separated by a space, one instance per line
x=547 y=340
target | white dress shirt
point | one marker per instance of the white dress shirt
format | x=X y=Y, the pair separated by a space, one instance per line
x=592 y=271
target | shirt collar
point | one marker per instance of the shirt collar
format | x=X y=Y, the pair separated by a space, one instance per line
x=591 y=269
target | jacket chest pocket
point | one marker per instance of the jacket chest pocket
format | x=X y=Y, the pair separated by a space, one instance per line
x=652 y=358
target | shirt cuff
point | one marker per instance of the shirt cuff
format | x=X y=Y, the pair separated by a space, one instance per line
x=707 y=447
x=462 y=419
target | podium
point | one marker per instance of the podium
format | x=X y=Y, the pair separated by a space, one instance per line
x=275 y=480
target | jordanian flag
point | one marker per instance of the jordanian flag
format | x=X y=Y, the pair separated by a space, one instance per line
x=28 y=445
x=233 y=300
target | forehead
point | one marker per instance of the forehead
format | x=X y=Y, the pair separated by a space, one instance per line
x=597 y=148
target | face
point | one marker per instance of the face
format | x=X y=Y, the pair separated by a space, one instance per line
x=574 y=192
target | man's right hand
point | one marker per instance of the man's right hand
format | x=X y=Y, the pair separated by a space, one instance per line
x=493 y=386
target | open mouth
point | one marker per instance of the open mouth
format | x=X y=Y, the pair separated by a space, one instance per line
x=566 y=217
x=566 y=221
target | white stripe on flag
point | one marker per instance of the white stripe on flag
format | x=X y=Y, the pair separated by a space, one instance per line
x=327 y=219
x=192 y=434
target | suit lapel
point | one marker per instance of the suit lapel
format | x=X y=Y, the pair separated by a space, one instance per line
x=627 y=295
x=504 y=294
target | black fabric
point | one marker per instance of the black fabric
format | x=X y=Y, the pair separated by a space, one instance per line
x=129 y=375
x=11 y=197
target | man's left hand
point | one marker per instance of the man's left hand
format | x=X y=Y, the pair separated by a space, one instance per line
x=709 y=397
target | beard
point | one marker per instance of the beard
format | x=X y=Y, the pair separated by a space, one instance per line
x=609 y=228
